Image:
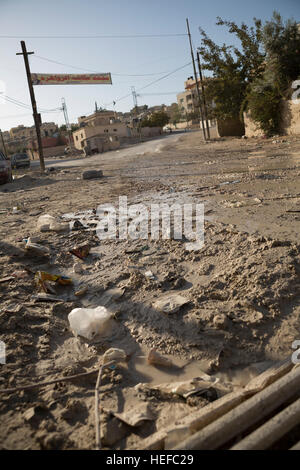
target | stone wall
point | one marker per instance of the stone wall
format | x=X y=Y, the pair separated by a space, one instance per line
x=48 y=152
x=290 y=121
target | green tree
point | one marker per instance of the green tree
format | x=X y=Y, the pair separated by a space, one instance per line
x=159 y=119
x=233 y=68
x=174 y=114
x=281 y=42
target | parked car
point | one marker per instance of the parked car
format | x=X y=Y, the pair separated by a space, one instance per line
x=5 y=169
x=20 y=160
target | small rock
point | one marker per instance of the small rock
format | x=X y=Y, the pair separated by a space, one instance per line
x=220 y=321
x=77 y=268
x=52 y=441
x=170 y=303
x=91 y=174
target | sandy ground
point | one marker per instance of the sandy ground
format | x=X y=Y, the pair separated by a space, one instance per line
x=241 y=290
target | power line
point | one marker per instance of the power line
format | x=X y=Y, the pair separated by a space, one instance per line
x=97 y=36
x=15 y=115
x=27 y=106
x=151 y=83
x=165 y=76
x=95 y=71
x=160 y=94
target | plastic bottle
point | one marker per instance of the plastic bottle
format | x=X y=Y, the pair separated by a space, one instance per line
x=89 y=322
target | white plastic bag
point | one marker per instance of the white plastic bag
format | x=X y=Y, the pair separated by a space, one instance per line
x=47 y=223
x=44 y=222
x=89 y=322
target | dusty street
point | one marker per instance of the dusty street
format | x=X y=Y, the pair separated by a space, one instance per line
x=241 y=290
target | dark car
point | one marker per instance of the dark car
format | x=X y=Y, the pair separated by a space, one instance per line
x=5 y=169
x=20 y=160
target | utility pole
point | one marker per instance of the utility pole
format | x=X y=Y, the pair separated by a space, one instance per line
x=195 y=74
x=3 y=144
x=135 y=103
x=203 y=95
x=65 y=111
x=36 y=115
x=114 y=105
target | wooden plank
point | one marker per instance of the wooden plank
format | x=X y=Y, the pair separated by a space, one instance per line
x=244 y=415
x=296 y=446
x=270 y=432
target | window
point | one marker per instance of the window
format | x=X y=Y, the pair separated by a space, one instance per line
x=115 y=130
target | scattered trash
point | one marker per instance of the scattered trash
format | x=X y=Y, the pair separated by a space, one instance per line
x=114 y=354
x=32 y=239
x=91 y=174
x=187 y=388
x=47 y=223
x=150 y=275
x=156 y=359
x=89 y=322
x=136 y=416
x=76 y=225
x=37 y=249
x=41 y=278
x=59 y=226
x=44 y=297
x=16 y=210
x=6 y=279
x=77 y=268
x=44 y=222
x=81 y=292
x=81 y=251
x=170 y=303
x=22 y=273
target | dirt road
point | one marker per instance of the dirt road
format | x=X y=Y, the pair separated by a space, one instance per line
x=241 y=290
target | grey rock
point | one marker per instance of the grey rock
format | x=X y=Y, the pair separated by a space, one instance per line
x=92 y=174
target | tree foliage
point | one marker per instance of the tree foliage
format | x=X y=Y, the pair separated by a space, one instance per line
x=255 y=75
x=232 y=67
x=158 y=119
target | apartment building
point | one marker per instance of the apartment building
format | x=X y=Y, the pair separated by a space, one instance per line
x=98 y=118
x=48 y=129
x=22 y=133
x=188 y=99
x=102 y=123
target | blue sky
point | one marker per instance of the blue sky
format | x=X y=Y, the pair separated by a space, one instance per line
x=120 y=56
